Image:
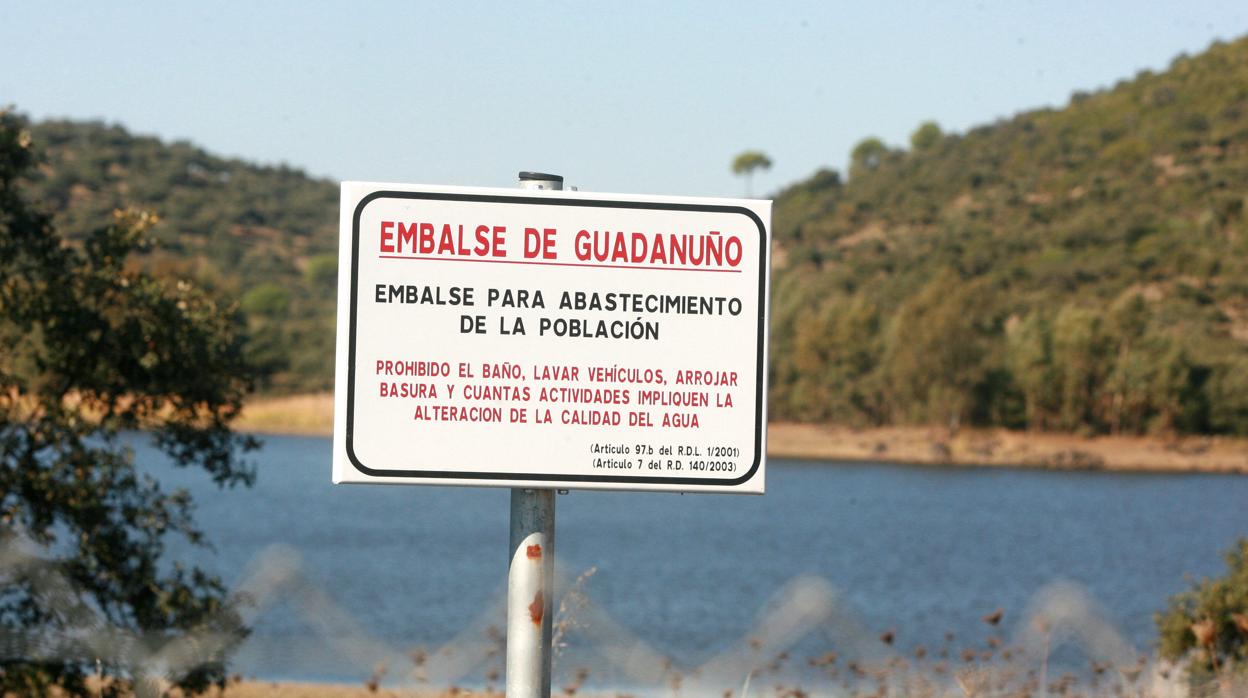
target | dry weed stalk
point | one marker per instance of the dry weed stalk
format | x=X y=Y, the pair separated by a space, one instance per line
x=972 y=682
x=374 y=680
x=570 y=606
x=419 y=657
x=1042 y=625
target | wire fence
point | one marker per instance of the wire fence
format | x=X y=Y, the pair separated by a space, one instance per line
x=596 y=653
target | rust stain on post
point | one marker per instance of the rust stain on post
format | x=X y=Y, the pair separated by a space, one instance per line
x=537 y=608
x=534 y=552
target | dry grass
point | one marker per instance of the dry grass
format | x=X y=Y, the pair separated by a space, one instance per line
x=941 y=679
x=311 y=414
x=265 y=689
x=1002 y=447
x=254 y=688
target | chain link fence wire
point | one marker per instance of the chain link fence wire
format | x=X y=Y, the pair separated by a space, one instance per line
x=596 y=653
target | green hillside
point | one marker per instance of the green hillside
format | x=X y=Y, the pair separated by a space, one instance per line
x=1079 y=269
x=266 y=236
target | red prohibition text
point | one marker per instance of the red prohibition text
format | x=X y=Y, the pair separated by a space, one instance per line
x=703 y=251
x=427 y=239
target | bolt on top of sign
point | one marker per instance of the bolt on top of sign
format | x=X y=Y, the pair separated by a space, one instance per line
x=523 y=338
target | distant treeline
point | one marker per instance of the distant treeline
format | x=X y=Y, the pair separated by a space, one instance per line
x=1082 y=269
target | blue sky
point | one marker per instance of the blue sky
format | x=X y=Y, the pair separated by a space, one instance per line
x=646 y=97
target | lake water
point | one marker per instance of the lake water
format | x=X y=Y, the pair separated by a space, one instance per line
x=919 y=551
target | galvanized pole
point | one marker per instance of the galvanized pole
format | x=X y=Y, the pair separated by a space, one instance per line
x=529 y=592
x=530 y=577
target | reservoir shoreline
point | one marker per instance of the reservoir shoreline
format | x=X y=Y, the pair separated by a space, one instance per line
x=312 y=415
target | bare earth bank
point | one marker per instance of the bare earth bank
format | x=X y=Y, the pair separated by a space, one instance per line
x=313 y=415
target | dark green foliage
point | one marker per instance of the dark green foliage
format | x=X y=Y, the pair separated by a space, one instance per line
x=322 y=271
x=749 y=161
x=867 y=156
x=1211 y=619
x=926 y=136
x=1083 y=269
x=267 y=300
x=231 y=226
x=93 y=346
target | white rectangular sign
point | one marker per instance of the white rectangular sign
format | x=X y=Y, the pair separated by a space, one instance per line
x=522 y=338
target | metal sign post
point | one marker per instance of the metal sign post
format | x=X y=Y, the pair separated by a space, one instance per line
x=530 y=575
x=530 y=586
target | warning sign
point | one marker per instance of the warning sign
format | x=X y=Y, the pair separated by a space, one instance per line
x=523 y=338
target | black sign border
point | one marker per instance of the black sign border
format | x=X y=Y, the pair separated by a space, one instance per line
x=559 y=478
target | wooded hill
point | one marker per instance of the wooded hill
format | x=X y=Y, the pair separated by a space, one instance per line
x=1080 y=269
x=264 y=236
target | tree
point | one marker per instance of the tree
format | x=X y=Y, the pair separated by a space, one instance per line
x=926 y=135
x=1210 y=619
x=1079 y=364
x=866 y=156
x=934 y=351
x=90 y=347
x=746 y=163
x=1029 y=348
